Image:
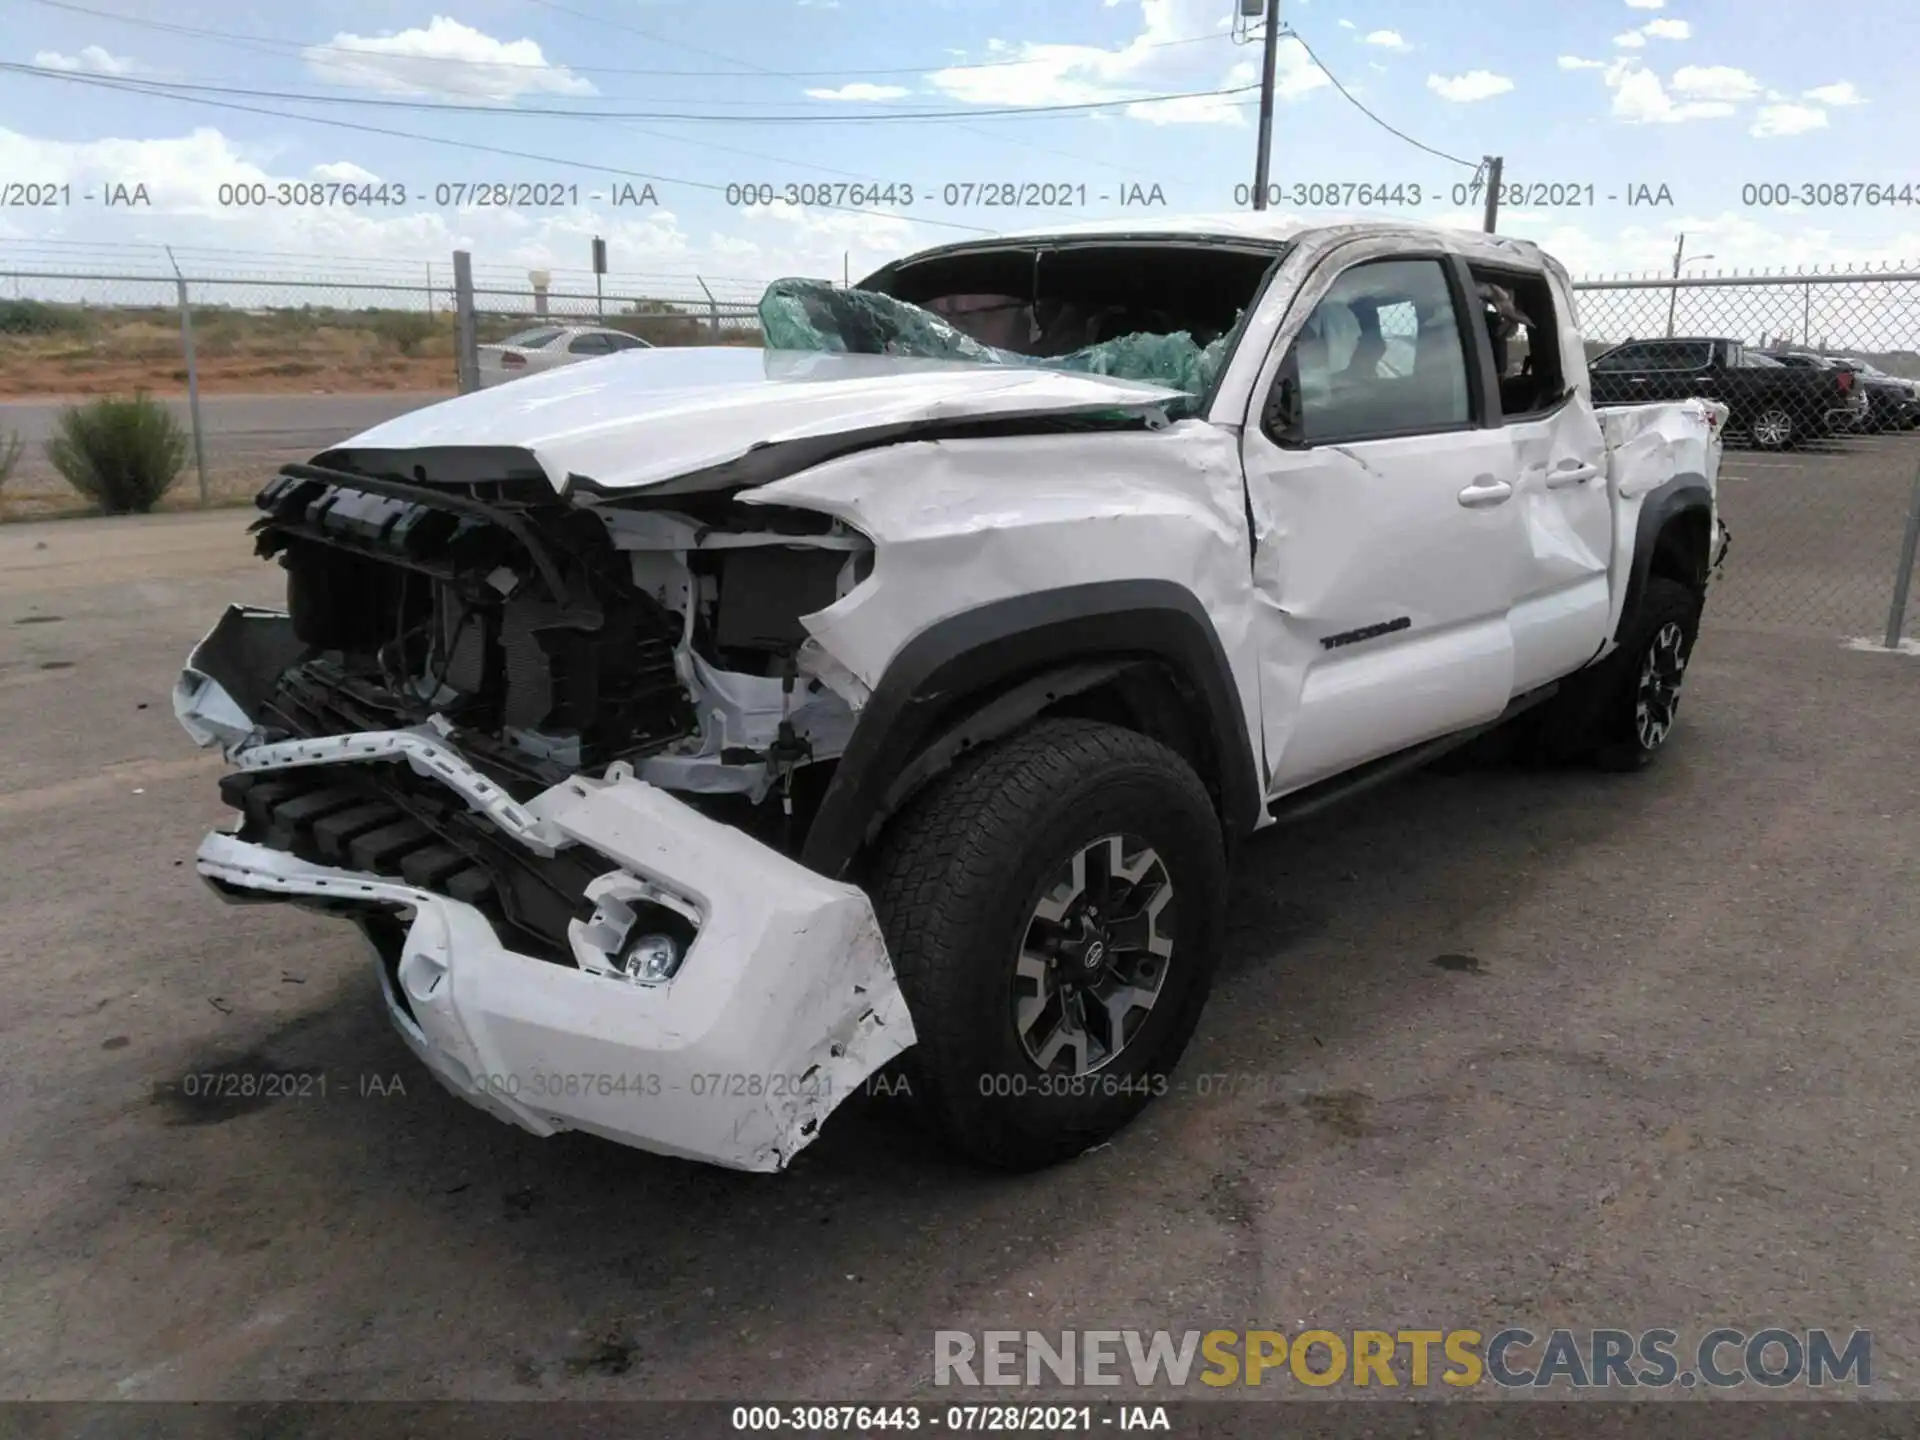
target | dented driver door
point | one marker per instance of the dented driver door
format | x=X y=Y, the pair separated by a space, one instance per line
x=1387 y=544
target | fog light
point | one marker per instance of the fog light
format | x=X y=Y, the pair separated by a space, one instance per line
x=651 y=958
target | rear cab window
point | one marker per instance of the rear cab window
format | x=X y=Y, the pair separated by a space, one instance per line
x=1523 y=328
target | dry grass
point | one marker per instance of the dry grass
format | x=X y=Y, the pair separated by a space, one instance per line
x=116 y=352
x=79 y=351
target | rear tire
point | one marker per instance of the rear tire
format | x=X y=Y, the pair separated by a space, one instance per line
x=1620 y=713
x=1041 y=1031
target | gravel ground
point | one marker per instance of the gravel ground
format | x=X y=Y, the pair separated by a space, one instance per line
x=1505 y=1047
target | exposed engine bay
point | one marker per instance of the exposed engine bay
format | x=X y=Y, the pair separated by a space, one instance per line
x=543 y=638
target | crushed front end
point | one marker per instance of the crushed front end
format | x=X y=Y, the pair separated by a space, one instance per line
x=546 y=755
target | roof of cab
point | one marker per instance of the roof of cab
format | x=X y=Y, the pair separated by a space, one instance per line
x=1263 y=227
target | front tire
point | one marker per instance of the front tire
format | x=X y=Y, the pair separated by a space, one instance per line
x=1052 y=908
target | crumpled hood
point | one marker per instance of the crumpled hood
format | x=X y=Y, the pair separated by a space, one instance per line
x=644 y=417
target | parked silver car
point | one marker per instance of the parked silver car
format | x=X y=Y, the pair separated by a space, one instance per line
x=547 y=347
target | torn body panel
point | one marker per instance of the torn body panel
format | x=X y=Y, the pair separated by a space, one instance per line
x=781 y=1002
x=1672 y=449
x=993 y=520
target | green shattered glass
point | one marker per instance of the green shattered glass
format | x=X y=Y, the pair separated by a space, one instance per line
x=813 y=315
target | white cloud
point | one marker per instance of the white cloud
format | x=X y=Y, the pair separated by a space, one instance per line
x=1386 y=40
x=1788 y=119
x=1574 y=62
x=1656 y=29
x=1640 y=99
x=859 y=90
x=1647 y=4
x=1348 y=25
x=1062 y=74
x=95 y=58
x=445 y=59
x=1474 y=85
x=1715 y=82
x=345 y=172
x=1842 y=93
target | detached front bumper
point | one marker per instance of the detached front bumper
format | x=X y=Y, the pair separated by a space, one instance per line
x=782 y=1005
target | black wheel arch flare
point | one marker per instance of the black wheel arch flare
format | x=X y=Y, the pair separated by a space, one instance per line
x=1022 y=653
x=1682 y=496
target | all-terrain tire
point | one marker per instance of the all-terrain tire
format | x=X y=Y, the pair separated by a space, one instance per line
x=955 y=883
x=1599 y=715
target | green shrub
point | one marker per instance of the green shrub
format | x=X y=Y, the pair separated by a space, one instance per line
x=37 y=317
x=10 y=451
x=121 y=454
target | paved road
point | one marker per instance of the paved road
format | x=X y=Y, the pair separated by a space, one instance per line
x=295 y=422
x=1552 y=1049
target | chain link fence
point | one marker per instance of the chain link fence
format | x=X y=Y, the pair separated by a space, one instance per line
x=1820 y=483
x=262 y=369
x=1821 y=375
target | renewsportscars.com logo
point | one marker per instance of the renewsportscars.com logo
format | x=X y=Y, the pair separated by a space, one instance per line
x=1511 y=1358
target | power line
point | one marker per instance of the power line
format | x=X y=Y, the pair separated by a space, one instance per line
x=170 y=87
x=102 y=82
x=1473 y=165
x=298 y=47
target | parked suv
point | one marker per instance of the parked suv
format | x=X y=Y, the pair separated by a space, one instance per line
x=708 y=727
x=1774 y=405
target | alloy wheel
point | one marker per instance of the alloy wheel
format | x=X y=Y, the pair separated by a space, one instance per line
x=1094 y=956
x=1772 y=429
x=1657 y=698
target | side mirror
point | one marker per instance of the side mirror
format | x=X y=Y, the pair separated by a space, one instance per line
x=1281 y=417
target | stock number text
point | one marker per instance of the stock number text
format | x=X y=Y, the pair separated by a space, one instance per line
x=301 y=194
x=1823 y=195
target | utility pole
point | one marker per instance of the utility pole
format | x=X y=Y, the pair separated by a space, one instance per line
x=1673 y=296
x=1265 y=152
x=1496 y=167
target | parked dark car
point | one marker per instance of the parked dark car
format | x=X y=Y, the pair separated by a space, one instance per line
x=1884 y=401
x=1895 y=399
x=1772 y=404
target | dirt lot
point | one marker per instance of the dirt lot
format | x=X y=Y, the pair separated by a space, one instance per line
x=1507 y=1047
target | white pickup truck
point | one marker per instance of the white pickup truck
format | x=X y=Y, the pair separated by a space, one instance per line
x=694 y=732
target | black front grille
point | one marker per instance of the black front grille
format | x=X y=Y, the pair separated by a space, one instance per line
x=379 y=819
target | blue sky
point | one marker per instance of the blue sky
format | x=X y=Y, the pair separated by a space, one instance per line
x=1702 y=97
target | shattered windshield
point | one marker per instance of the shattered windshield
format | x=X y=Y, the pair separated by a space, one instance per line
x=1165 y=316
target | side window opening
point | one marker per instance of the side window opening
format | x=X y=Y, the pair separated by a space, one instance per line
x=1524 y=331
x=1380 y=355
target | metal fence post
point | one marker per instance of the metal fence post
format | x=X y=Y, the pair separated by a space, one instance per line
x=713 y=310
x=1903 y=578
x=193 y=378
x=466 y=336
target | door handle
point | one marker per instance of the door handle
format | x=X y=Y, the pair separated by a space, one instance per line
x=1485 y=491
x=1637 y=380
x=1571 y=472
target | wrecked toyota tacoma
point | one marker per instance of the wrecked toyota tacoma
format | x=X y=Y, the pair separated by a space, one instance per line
x=694 y=732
